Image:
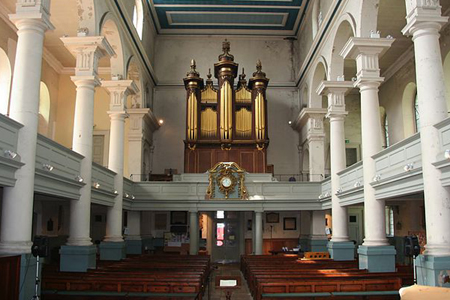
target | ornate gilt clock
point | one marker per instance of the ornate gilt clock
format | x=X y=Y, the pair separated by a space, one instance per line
x=226 y=181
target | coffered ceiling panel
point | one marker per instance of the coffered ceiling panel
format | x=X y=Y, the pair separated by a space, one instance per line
x=228 y=17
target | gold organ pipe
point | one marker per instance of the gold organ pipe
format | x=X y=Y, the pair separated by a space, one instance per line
x=259 y=117
x=209 y=123
x=243 y=123
x=225 y=111
x=192 y=117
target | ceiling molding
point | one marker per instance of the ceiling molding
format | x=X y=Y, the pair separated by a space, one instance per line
x=46 y=54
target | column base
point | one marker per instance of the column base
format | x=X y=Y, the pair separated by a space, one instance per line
x=134 y=246
x=377 y=258
x=341 y=250
x=77 y=258
x=304 y=244
x=432 y=269
x=28 y=276
x=318 y=245
x=113 y=251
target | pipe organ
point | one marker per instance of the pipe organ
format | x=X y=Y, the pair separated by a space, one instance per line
x=226 y=123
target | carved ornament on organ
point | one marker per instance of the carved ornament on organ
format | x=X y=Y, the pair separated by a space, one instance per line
x=224 y=121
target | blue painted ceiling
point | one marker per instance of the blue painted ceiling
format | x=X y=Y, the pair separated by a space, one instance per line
x=228 y=17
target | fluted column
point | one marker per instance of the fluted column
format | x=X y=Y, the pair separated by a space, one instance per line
x=87 y=51
x=340 y=248
x=424 y=21
x=367 y=52
x=258 y=233
x=193 y=233
x=32 y=21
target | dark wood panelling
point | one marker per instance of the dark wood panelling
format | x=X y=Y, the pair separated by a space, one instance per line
x=10 y=277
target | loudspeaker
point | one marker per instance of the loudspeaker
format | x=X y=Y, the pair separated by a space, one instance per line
x=412 y=247
x=40 y=246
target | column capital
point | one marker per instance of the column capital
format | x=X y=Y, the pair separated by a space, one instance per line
x=335 y=91
x=357 y=46
x=87 y=50
x=85 y=81
x=423 y=17
x=312 y=116
x=366 y=52
x=334 y=87
x=119 y=115
x=32 y=15
x=119 y=91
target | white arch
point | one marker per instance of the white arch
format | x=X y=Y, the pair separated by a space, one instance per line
x=447 y=77
x=110 y=30
x=44 y=109
x=409 y=95
x=134 y=73
x=344 y=31
x=5 y=82
x=138 y=17
x=320 y=74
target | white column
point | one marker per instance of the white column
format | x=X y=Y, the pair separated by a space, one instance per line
x=210 y=233
x=193 y=233
x=258 y=233
x=88 y=51
x=142 y=125
x=118 y=91
x=316 y=143
x=367 y=51
x=424 y=22
x=336 y=91
x=318 y=225
x=134 y=225
x=31 y=20
x=253 y=233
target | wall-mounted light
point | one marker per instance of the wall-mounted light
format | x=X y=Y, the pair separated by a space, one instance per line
x=408 y=167
x=161 y=121
x=320 y=196
x=116 y=192
x=339 y=190
x=357 y=184
x=96 y=185
x=290 y=122
x=127 y=196
x=79 y=179
x=47 y=167
x=133 y=197
x=447 y=154
x=376 y=178
x=10 y=154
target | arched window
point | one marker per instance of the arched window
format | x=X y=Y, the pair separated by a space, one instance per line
x=44 y=109
x=5 y=82
x=386 y=131
x=138 y=17
x=416 y=114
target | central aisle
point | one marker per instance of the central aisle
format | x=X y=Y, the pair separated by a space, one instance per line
x=223 y=271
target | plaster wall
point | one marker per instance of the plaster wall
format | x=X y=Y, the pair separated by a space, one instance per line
x=274 y=230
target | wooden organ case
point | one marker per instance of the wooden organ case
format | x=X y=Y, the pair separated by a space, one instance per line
x=226 y=124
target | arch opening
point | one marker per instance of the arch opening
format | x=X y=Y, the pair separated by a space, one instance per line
x=44 y=109
x=5 y=82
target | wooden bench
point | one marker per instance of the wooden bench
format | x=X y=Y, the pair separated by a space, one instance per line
x=334 y=286
x=146 y=276
x=317 y=255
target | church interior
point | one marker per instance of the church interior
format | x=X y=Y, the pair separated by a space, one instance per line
x=230 y=149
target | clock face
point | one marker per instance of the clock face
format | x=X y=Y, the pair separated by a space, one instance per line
x=226 y=182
